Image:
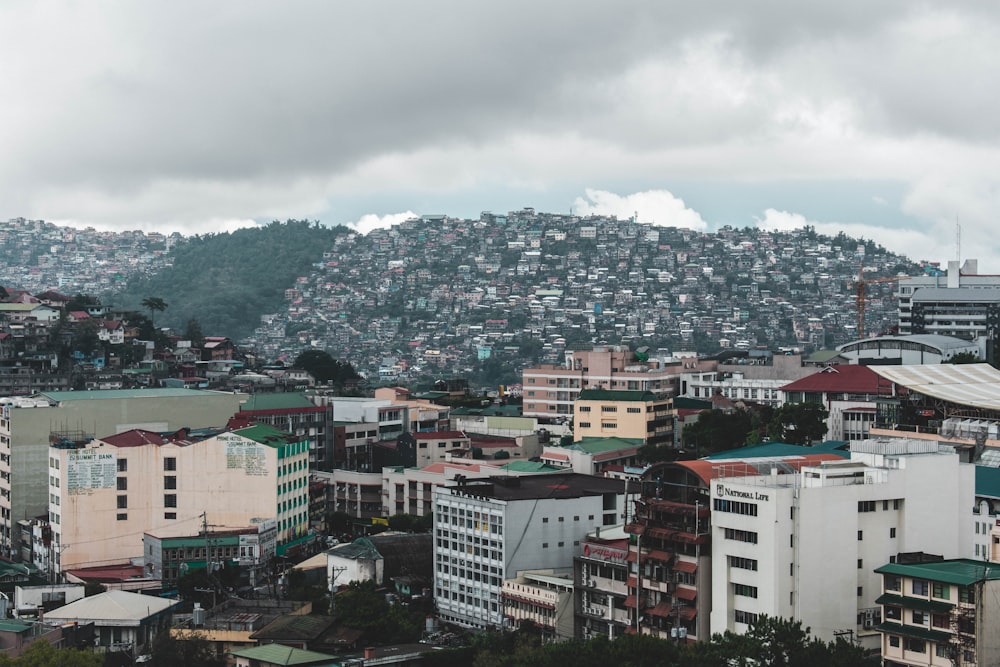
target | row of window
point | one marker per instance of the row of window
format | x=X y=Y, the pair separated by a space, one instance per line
x=872 y=505
x=734 y=507
x=748 y=536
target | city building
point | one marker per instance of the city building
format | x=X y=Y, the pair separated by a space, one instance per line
x=600 y=574
x=29 y=425
x=108 y=491
x=849 y=393
x=544 y=598
x=486 y=531
x=551 y=390
x=939 y=612
x=607 y=413
x=784 y=539
x=915 y=349
x=593 y=456
x=120 y=618
x=294 y=413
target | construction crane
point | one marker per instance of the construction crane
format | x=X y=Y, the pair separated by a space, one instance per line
x=860 y=294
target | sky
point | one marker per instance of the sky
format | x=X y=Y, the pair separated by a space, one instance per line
x=877 y=119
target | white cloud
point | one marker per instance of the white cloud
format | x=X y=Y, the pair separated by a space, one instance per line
x=370 y=221
x=914 y=244
x=659 y=207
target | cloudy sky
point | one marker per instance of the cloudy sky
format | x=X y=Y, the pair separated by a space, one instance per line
x=880 y=119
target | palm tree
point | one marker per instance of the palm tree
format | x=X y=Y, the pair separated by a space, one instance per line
x=155 y=305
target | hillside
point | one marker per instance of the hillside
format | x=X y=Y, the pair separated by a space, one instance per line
x=227 y=281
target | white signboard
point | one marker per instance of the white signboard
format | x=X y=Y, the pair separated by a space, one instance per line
x=90 y=469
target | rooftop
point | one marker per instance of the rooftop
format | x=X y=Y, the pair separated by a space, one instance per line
x=960 y=571
x=538 y=487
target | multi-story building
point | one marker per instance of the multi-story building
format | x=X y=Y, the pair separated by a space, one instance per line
x=294 y=413
x=643 y=415
x=486 y=531
x=917 y=309
x=784 y=539
x=545 y=598
x=108 y=491
x=600 y=574
x=593 y=456
x=29 y=425
x=551 y=390
x=850 y=394
x=939 y=612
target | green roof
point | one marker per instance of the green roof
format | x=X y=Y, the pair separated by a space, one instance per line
x=767 y=449
x=14 y=626
x=277 y=401
x=914 y=603
x=279 y=654
x=960 y=571
x=616 y=395
x=530 y=466
x=988 y=481
x=821 y=356
x=593 y=445
x=914 y=631
x=267 y=435
x=99 y=394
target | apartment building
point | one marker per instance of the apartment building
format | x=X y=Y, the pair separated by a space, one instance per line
x=784 y=540
x=600 y=574
x=545 y=598
x=105 y=493
x=642 y=415
x=486 y=531
x=939 y=612
x=294 y=413
x=955 y=304
x=550 y=390
x=28 y=425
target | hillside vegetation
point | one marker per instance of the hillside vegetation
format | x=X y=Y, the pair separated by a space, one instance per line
x=227 y=281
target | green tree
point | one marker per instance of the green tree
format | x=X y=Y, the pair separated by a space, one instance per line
x=193 y=333
x=154 y=304
x=43 y=654
x=798 y=423
x=965 y=358
x=717 y=431
x=193 y=650
x=325 y=368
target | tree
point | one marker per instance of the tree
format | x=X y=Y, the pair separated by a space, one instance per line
x=43 y=654
x=193 y=333
x=798 y=423
x=717 y=431
x=965 y=358
x=191 y=649
x=154 y=304
x=325 y=368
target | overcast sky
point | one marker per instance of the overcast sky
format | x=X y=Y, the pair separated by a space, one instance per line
x=877 y=118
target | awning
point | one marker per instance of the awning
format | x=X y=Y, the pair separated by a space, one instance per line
x=635 y=528
x=685 y=566
x=914 y=631
x=688 y=594
x=663 y=609
x=914 y=603
x=664 y=556
x=687 y=613
x=630 y=601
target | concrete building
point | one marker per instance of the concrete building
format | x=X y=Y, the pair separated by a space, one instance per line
x=294 y=413
x=486 y=531
x=850 y=394
x=120 y=618
x=642 y=415
x=543 y=597
x=593 y=456
x=600 y=574
x=29 y=425
x=908 y=350
x=551 y=390
x=939 y=612
x=785 y=540
x=106 y=493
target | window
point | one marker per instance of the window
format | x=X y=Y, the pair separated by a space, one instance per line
x=121 y=516
x=583 y=408
x=170 y=500
x=920 y=587
x=861 y=535
x=940 y=590
x=740 y=535
x=743 y=563
x=893 y=613
x=918 y=617
x=915 y=645
x=609 y=408
x=170 y=515
x=744 y=617
x=894 y=641
x=744 y=590
x=861 y=591
x=892 y=532
x=734 y=507
x=122 y=465
x=861 y=564
x=169 y=482
x=584 y=424
x=609 y=425
x=892 y=582
x=940 y=620
x=122 y=483
x=866 y=505
x=967 y=594
x=634 y=410
x=122 y=502
x=169 y=463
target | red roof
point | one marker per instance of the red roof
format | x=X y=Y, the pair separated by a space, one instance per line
x=841 y=379
x=109 y=573
x=438 y=435
x=135 y=438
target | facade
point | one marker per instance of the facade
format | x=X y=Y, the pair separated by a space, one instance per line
x=486 y=531
x=120 y=618
x=602 y=413
x=551 y=390
x=545 y=599
x=29 y=425
x=593 y=456
x=783 y=540
x=850 y=394
x=939 y=612
x=107 y=492
x=600 y=574
x=168 y=558
x=907 y=350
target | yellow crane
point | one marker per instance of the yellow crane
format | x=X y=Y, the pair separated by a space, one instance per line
x=860 y=294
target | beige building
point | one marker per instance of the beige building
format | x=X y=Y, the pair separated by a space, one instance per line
x=641 y=415
x=550 y=390
x=105 y=494
x=29 y=424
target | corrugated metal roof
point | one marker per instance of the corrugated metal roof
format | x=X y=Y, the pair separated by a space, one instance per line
x=119 y=607
x=100 y=394
x=974 y=385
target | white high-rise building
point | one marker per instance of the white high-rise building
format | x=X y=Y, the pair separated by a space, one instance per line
x=486 y=531
x=805 y=544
